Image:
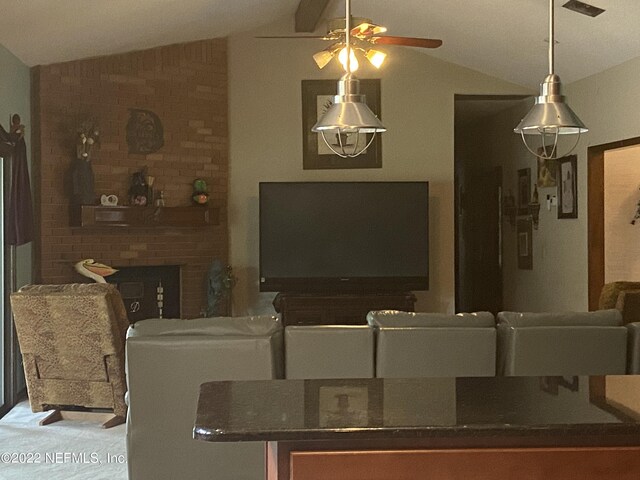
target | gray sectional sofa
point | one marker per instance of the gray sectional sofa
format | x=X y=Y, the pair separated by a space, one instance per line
x=167 y=360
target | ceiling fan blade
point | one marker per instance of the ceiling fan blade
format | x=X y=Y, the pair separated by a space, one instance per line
x=324 y=37
x=407 y=41
x=367 y=29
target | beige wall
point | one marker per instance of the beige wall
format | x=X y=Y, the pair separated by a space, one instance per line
x=551 y=285
x=621 y=196
x=609 y=104
x=266 y=144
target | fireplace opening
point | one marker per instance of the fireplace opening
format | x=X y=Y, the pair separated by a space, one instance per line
x=149 y=291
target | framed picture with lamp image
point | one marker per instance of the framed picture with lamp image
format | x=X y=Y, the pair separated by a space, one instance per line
x=317 y=96
x=568 y=187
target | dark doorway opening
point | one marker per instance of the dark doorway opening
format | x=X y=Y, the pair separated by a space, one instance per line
x=477 y=203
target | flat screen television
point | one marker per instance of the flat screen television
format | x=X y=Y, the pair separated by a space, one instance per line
x=344 y=237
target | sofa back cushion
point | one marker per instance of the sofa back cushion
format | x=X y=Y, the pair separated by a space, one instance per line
x=215 y=326
x=600 y=318
x=572 y=343
x=394 y=318
x=433 y=344
x=329 y=351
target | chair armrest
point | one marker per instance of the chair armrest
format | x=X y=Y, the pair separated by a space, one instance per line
x=633 y=349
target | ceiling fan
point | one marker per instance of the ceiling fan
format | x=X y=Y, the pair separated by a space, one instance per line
x=364 y=37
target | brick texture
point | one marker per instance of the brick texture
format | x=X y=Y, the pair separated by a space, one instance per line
x=186 y=86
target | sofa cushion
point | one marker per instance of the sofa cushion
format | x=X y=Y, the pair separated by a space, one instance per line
x=600 y=318
x=329 y=351
x=218 y=326
x=397 y=319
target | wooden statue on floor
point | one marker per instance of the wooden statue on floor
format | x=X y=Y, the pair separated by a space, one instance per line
x=82 y=172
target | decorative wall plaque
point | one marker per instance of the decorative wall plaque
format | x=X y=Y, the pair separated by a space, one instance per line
x=144 y=131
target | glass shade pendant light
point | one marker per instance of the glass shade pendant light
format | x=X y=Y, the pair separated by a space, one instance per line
x=551 y=116
x=349 y=120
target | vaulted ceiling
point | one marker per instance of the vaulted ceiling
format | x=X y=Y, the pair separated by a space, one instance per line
x=504 y=38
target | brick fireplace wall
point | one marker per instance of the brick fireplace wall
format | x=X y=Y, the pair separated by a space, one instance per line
x=186 y=86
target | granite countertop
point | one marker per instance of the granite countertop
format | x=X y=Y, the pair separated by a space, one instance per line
x=367 y=409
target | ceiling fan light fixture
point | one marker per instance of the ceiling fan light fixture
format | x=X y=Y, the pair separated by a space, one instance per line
x=375 y=57
x=323 y=57
x=353 y=61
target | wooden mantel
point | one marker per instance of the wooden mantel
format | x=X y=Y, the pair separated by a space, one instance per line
x=126 y=216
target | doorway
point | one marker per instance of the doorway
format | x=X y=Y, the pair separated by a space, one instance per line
x=596 y=218
x=478 y=187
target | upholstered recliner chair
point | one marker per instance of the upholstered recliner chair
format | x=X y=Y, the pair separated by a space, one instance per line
x=611 y=292
x=561 y=344
x=434 y=344
x=72 y=339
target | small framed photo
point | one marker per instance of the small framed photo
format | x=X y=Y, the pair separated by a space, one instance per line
x=525 y=244
x=524 y=190
x=342 y=404
x=317 y=97
x=568 y=187
x=547 y=172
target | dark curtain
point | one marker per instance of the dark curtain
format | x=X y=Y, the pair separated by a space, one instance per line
x=19 y=212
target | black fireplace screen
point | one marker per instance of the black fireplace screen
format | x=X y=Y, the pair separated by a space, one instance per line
x=149 y=291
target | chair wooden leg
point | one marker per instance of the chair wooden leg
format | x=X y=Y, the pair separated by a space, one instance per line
x=53 y=417
x=113 y=421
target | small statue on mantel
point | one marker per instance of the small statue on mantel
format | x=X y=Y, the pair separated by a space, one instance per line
x=82 y=172
x=139 y=190
x=220 y=282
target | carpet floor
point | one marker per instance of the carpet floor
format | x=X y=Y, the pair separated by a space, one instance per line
x=65 y=450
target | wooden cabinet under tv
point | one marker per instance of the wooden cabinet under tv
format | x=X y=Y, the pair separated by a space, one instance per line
x=345 y=309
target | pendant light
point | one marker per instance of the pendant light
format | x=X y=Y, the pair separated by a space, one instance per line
x=349 y=119
x=551 y=116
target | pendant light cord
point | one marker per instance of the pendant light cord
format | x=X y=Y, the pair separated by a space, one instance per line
x=551 y=38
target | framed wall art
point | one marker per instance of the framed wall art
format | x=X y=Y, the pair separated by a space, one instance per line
x=525 y=244
x=524 y=190
x=317 y=96
x=568 y=187
x=547 y=172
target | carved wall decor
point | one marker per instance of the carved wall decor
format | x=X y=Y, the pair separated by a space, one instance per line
x=144 y=131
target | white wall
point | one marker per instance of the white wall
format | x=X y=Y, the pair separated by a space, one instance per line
x=266 y=143
x=15 y=93
x=609 y=104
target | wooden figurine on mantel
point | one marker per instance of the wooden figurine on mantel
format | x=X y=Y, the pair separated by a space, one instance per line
x=82 y=172
x=140 y=189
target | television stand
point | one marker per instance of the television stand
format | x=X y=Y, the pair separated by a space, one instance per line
x=337 y=309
